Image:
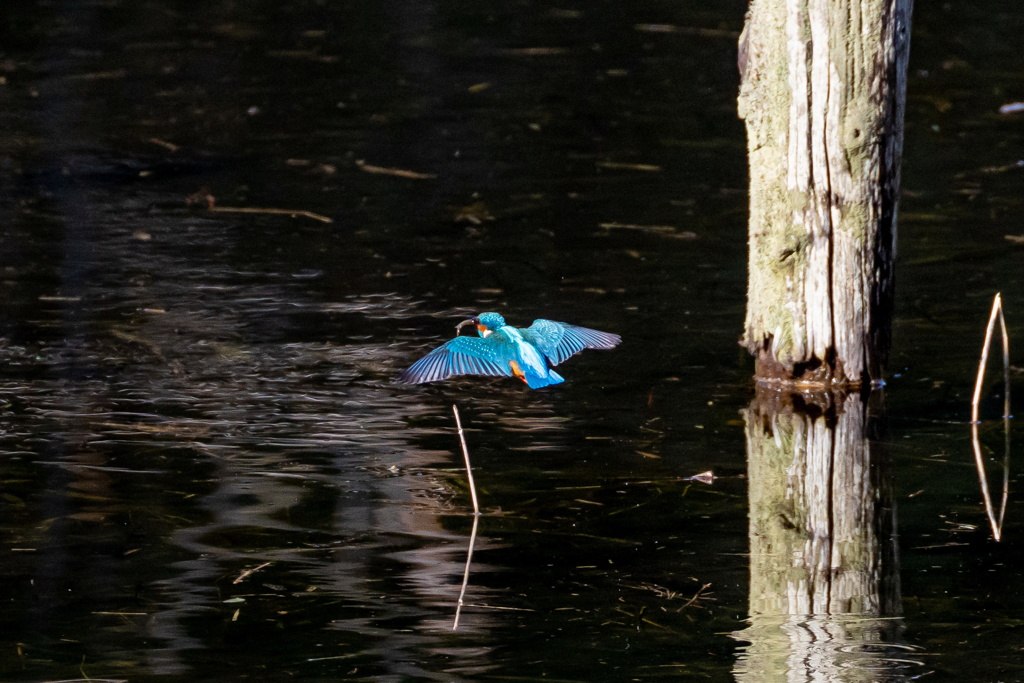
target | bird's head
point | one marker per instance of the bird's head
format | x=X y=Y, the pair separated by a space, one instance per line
x=485 y=323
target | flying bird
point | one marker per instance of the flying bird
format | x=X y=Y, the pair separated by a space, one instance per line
x=501 y=350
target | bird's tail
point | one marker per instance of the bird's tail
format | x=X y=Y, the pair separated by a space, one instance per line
x=535 y=381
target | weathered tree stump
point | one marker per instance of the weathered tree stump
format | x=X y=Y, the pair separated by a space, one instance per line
x=823 y=91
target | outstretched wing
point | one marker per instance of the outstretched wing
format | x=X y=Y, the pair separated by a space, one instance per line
x=559 y=341
x=459 y=356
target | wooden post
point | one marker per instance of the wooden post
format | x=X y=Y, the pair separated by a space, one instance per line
x=823 y=91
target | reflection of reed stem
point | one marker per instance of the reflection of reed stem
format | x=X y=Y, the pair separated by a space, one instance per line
x=979 y=462
x=996 y=524
x=465 y=573
x=1006 y=465
x=476 y=517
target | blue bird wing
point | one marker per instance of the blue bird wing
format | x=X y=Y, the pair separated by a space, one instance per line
x=460 y=356
x=560 y=341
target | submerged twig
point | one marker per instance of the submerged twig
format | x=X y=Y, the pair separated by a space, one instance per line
x=995 y=523
x=687 y=30
x=623 y=166
x=169 y=146
x=396 y=172
x=272 y=212
x=147 y=344
x=696 y=597
x=662 y=230
x=249 y=572
x=476 y=518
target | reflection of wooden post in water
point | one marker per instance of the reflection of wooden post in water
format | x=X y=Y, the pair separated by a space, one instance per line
x=823 y=572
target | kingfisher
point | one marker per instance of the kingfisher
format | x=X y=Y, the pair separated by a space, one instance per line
x=501 y=350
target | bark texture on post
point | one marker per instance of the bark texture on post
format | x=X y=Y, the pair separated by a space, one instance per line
x=823 y=91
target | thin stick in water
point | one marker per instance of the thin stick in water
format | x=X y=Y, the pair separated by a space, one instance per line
x=476 y=517
x=465 y=456
x=272 y=212
x=997 y=311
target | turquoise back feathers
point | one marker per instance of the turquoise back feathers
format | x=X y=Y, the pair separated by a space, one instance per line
x=501 y=350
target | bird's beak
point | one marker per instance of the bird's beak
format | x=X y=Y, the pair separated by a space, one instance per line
x=482 y=329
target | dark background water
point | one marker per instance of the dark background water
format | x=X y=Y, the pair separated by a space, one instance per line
x=187 y=396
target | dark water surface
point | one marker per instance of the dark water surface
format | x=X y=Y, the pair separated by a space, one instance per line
x=208 y=472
